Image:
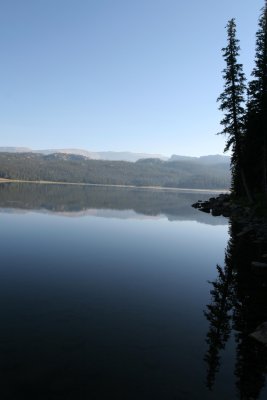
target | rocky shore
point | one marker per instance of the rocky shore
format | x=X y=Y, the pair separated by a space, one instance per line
x=247 y=218
x=221 y=205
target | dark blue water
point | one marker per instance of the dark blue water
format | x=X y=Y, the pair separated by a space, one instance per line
x=108 y=300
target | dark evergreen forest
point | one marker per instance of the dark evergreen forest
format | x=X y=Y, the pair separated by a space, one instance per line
x=245 y=114
x=148 y=172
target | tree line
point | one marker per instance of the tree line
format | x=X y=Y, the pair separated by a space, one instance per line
x=245 y=114
x=78 y=169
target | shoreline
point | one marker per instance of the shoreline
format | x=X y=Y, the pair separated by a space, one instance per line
x=41 y=182
x=251 y=224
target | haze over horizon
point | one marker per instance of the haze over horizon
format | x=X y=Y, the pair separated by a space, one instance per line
x=138 y=76
x=113 y=155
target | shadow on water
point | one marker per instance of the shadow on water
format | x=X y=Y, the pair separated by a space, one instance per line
x=238 y=306
x=79 y=200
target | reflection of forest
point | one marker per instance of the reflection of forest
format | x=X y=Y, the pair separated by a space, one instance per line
x=70 y=199
x=238 y=304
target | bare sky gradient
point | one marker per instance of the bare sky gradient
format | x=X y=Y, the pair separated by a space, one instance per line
x=138 y=75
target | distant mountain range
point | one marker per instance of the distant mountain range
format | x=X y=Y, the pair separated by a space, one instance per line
x=208 y=160
x=121 y=156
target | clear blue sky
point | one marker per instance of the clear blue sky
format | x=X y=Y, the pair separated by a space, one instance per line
x=137 y=75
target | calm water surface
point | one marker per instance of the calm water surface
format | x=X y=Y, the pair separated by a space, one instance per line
x=103 y=292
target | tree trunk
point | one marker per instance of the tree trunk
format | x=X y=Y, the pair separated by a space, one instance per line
x=244 y=181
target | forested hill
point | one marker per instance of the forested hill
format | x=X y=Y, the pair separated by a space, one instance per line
x=148 y=172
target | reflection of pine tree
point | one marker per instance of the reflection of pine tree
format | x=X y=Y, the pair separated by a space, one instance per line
x=251 y=361
x=249 y=312
x=239 y=302
x=218 y=313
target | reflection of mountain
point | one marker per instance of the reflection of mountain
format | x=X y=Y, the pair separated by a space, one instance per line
x=238 y=303
x=81 y=200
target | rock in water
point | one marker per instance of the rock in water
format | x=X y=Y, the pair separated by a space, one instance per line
x=260 y=333
x=257 y=264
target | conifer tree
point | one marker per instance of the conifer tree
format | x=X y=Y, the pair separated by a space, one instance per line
x=231 y=103
x=257 y=110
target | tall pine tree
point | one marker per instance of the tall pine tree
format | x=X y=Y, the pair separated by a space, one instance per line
x=231 y=103
x=256 y=124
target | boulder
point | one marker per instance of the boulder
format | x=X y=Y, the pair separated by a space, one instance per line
x=216 y=211
x=258 y=264
x=260 y=334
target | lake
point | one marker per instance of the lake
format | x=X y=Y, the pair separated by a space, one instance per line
x=106 y=292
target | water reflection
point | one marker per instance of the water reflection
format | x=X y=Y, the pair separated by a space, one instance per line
x=238 y=305
x=78 y=200
x=92 y=307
